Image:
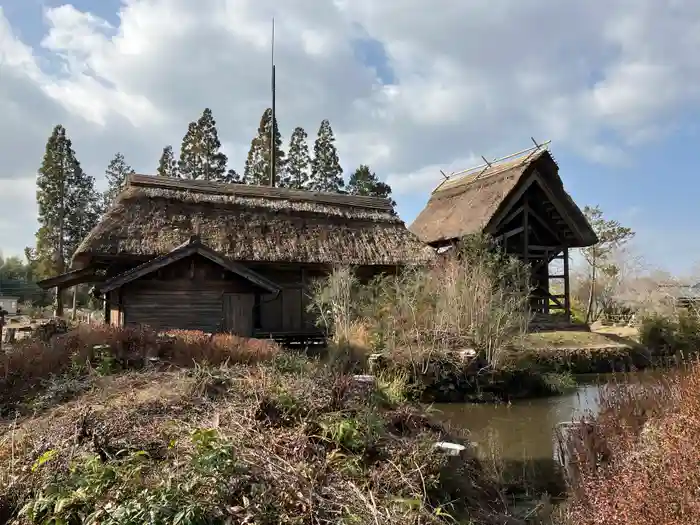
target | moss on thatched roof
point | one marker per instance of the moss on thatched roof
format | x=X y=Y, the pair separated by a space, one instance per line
x=468 y=204
x=153 y=215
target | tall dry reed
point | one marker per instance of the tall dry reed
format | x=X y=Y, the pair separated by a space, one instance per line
x=474 y=297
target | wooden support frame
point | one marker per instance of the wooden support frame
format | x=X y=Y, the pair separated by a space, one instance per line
x=537 y=250
x=567 y=287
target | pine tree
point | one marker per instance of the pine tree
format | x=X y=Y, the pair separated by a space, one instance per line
x=68 y=206
x=326 y=173
x=167 y=166
x=257 y=165
x=365 y=182
x=297 y=174
x=116 y=174
x=200 y=155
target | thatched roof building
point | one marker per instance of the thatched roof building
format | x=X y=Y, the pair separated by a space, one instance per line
x=521 y=201
x=188 y=254
x=153 y=215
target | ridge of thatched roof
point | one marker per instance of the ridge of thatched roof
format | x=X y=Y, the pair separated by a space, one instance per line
x=153 y=215
x=468 y=204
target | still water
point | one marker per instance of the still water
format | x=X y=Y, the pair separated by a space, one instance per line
x=525 y=429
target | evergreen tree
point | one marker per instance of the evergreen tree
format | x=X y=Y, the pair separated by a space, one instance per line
x=68 y=206
x=167 y=166
x=257 y=165
x=326 y=173
x=200 y=155
x=232 y=177
x=116 y=174
x=297 y=174
x=365 y=182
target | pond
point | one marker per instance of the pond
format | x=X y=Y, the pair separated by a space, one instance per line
x=524 y=430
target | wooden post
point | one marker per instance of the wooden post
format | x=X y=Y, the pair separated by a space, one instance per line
x=567 y=293
x=107 y=308
x=59 y=302
x=3 y=313
x=526 y=236
x=526 y=243
x=546 y=281
x=74 y=313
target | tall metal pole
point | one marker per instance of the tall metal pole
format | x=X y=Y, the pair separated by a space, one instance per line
x=273 y=160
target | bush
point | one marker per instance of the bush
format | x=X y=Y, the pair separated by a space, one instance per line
x=645 y=440
x=666 y=335
x=476 y=297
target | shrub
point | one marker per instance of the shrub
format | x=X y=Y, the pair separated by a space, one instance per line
x=645 y=440
x=667 y=334
x=476 y=297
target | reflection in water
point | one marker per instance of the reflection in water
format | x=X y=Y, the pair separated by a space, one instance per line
x=525 y=429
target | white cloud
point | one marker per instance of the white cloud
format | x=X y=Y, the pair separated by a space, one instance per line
x=471 y=78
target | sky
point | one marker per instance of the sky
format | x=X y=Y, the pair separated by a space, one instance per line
x=410 y=87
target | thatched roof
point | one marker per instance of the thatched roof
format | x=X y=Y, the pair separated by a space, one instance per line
x=468 y=204
x=154 y=215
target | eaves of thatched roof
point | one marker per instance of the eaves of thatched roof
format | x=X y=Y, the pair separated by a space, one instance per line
x=469 y=204
x=154 y=215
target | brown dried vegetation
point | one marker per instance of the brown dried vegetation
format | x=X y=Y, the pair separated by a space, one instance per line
x=639 y=461
x=288 y=440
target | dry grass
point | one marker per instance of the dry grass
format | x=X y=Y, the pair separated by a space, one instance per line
x=572 y=339
x=645 y=440
x=291 y=441
x=32 y=361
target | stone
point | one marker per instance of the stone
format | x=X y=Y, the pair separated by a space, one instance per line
x=466 y=353
x=452 y=449
x=364 y=379
x=375 y=361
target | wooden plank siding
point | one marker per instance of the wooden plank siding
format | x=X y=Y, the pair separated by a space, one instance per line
x=167 y=309
x=196 y=294
x=188 y=295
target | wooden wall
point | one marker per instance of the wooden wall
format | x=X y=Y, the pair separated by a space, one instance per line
x=190 y=294
x=287 y=311
x=196 y=294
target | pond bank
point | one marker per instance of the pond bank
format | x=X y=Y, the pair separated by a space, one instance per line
x=526 y=374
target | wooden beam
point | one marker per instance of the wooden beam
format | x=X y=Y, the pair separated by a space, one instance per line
x=526 y=230
x=513 y=215
x=567 y=290
x=516 y=196
x=512 y=232
x=544 y=224
x=513 y=200
x=68 y=279
x=546 y=278
x=185 y=251
x=543 y=248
